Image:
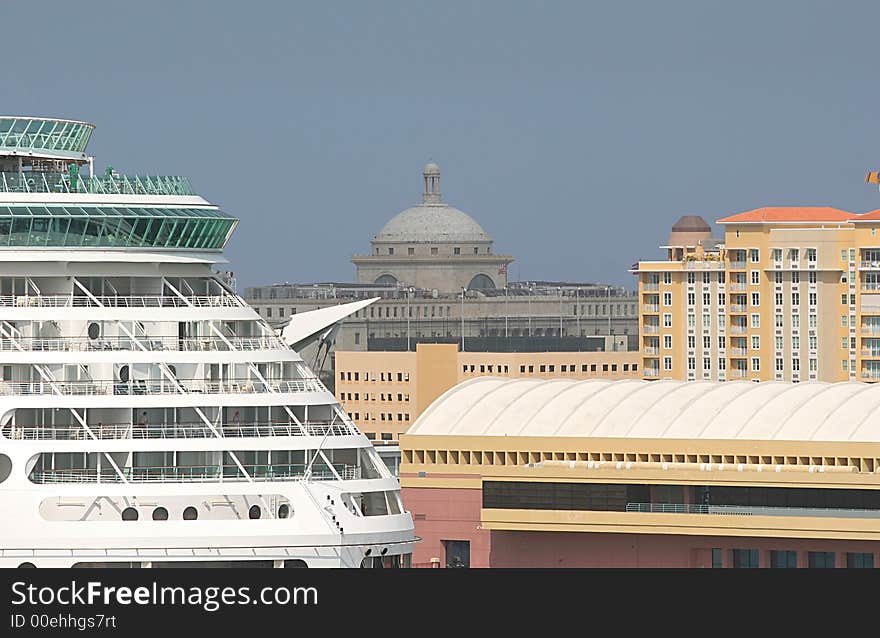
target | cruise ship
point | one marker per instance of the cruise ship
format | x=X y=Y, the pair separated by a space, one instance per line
x=148 y=416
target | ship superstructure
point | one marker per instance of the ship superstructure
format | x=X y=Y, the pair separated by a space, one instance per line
x=148 y=415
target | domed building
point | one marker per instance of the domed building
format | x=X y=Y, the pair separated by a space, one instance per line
x=433 y=246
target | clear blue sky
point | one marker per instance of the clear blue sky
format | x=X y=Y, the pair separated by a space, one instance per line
x=576 y=133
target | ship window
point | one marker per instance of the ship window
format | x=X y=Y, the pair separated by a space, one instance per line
x=94 y=330
x=160 y=514
x=254 y=512
x=129 y=514
x=295 y=563
x=5 y=467
x=190 y=514
x=284 y=511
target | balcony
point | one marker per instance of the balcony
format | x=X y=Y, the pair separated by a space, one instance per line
x=736 y=265
x=652 y=372
x=651 y=307
x=151 y=343
x=651 y=350
x=196 y=474
x=738 y=373
x=738 y=352
x=651 y=287
x=38 y=182
x=137 y=301
x=105 y=431
x=738 y=330
x=871 y=375
x=737 y=286
x=736 y=308
x=143 y=387
x=869 y=265
x=651 y=330
x=704 y=265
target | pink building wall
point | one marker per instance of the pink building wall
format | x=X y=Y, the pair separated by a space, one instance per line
x=446 y=514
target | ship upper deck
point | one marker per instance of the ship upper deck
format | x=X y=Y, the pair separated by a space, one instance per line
x=44 y=137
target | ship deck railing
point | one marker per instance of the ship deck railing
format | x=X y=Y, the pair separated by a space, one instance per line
x=40 y=182
x=151 y=343
x=196 y=474
x=109 y=431
x=140 y=387
x=119 y=301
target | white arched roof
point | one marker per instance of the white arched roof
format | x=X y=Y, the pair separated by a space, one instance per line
x=813 y=411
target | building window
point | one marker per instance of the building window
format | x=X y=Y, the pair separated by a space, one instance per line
x=756 y=299
x=604 y=367
x=795 y=277
x=268 y=312
x=667 y=298
x=722 y=363
x=707 y=299
x=756 y=364
x=777 y=277
x=434 y=251
x=717 y=558
x=667 y=320
x=692 y=363
x=783 y=558
x=667 y=363
x=859 y=560
x=756 y=321
x=667 y=342
x=722 y=342
x=390 y=251
x=756 y=342
x=410 y=251
x=821 y=559
x=754 y=255
x=691 y=278
x=756 y=277
x=779 y=365
x=745 y=558
x=667 y=278
x=692 y=299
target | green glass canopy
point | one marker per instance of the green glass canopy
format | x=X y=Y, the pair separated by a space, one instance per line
x=115 y=226
x=43 y=134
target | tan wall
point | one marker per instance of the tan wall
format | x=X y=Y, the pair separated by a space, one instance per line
x=385 y=392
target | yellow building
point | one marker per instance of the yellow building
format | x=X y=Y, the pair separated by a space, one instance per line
x=385 y=392
x=789 y=294
x=557 y=473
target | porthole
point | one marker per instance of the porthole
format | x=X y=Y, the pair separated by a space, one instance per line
x=190 y=514
x=255 y=512
x=295 y=563
x=5 y=467
x=94 y=330
x=123 y=374
x=129 y=514
x=160 y=514
x=284 y=511
x=27 y=565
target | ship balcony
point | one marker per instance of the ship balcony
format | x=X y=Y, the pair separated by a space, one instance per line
x=198 y=474
x=120 y=301
x=114 y=431
x=153 y=387
x=150 y=343
x=40 y=182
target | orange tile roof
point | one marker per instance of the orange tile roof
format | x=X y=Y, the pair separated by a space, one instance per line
x=790 y=214
x=873 y=215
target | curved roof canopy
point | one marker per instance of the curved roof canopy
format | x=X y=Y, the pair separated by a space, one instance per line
x=44 y=135
x=743 y=410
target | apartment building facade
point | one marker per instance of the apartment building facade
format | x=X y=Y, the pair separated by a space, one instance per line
x=790 y=294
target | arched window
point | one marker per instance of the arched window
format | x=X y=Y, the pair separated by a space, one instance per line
x=129 y=514
x=481 y=282
x=284 y=510
x=255 y=512
x=160 y=514
x=190 y=514
x=386 y=280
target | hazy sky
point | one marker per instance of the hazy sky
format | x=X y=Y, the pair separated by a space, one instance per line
x=576 y=133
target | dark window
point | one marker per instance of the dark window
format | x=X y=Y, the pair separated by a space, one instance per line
x=859 y=560
x=190 y=514
x=129 y=514
x=284 y=511
x=782 y=558
x=584 y=368
x=821 y=559
x=593 y=367
x=458 y=553
x=297 y=563
x=717 y=558
x=604 y=367
x=160 y=514
x=255 y=512
x=745 y=557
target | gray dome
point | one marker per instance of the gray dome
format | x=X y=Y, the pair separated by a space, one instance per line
x=434 y=223
x=431 y=169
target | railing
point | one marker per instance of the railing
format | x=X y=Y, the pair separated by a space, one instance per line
x=739 y=374
x=194 y=474
x=749 y=510
x=737 y=265
x=738 y=330
x=652 y=350
x=871 y=374
x=37 y=182
x=704 y=265
x=138 y=387
x=651 y=307
x=872 y=264
x=738 y=308
x=737 y=286
x=157 y=343
x=652 y=372
x=651 y=286
x=651 y=329
x=174 y=431
x=738 y=351
x=120 y=301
